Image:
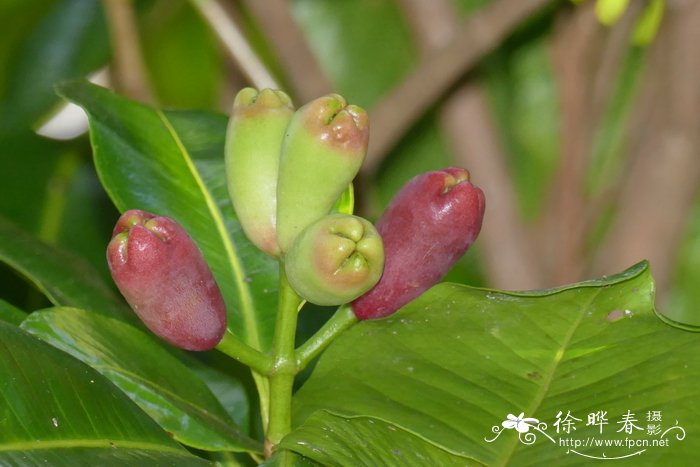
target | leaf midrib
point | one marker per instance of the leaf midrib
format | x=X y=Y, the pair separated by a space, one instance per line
x=35 y=445
x=508 y=451
x=252 y=335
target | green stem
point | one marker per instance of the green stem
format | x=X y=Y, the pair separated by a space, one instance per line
x=235 y=348
x=284 y=367
x=341 y=320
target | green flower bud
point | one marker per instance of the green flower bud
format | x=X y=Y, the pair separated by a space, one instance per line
x=253 y=143
x=335 y=260
x=323 y=148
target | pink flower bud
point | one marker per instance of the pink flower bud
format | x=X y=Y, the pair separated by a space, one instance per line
x=427 y=227
x=163 y=276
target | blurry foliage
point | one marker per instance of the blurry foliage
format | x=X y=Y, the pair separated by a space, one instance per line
x=49 y=188
x=186 y=67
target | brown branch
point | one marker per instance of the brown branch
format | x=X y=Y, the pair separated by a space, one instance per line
x=303 y=71
x=509 y=258
x=664 y=171
x=587 y=61
x=480 y=33
x=234 y=42
x=505 y=243
x=129 y=72
x=576 y=50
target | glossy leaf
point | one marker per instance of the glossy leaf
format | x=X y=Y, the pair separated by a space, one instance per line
x=158 y=382
x=69 y=42
x=334 y=440
x=230 y=392
x=285 y=458
x=454 y=363
x=11 y=314
x=50 y=190
x=172 y=164
x=62 y=412
x=63 y=277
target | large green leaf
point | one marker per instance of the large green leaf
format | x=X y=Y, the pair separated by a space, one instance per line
x=172 y=164
x=11 y=314
x=50 y=189
x=63 y=277
x=158 y=382
x=55 y=410
x=453 y=364
x=337 y=440
x=69 y=42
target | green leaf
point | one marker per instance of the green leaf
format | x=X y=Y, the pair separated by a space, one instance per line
x=172 y=164
x=176 y=38
x=52 y=192
x=230 y=392
x=330 y=439
x=58 y=411
x=11 y=314
x=343 y=36
x=70 y=42
x=158 y=382
x=346 y=202
x=63 y=277
x=454 y=363
x=284 y=458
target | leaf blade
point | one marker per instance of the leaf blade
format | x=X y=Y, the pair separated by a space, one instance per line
x=63 y=277
x=452 y=365
x=158 y=382
x=63 y=410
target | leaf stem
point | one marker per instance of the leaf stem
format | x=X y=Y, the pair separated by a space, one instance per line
x=235 y=348
x=342 y=319
x=284 y=367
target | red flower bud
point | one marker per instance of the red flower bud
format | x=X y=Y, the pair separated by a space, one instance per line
x=163 y=276
x=427 y=227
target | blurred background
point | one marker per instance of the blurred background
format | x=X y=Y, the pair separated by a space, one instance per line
x=579 y=120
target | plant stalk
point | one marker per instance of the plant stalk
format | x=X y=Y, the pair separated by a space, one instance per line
x=284 y=367
x=342 y=319
x=235 y=348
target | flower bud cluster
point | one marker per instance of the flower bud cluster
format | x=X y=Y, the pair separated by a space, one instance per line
x=286 y=170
